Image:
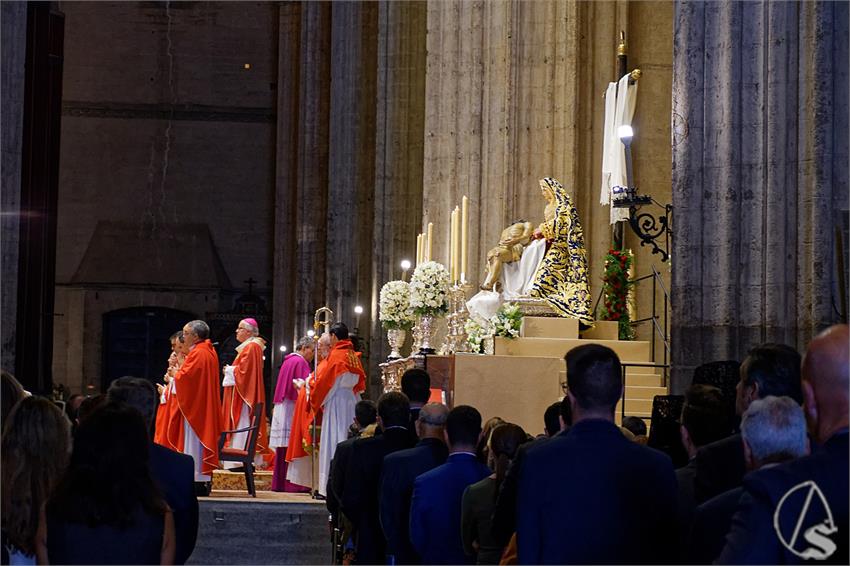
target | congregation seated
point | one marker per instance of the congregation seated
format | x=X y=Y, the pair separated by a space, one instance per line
x=773 y=430
x=107 y=508
x=399 y=472
x=637 y=427
x=769 y=369
x=435 y=510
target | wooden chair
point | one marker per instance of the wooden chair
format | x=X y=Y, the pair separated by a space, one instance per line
x=244 y=456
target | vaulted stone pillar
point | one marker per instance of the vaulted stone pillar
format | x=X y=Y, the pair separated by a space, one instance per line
x=759 y=171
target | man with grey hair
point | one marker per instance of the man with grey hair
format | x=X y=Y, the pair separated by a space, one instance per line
x=196 y=387
x=293 y=373
x=774 y=431
x=398 y=474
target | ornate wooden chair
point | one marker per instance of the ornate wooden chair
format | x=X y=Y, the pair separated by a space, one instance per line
x=244 y=456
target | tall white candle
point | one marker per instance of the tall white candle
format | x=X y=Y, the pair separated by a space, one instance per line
x=430 y=239
x=464 y=237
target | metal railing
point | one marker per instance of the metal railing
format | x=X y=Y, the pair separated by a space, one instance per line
x=623 y=367
x=660 y=328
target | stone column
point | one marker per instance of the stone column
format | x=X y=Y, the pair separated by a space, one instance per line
x=14 y=33
x=400 y=119
x=352 y=160
x=759 y=167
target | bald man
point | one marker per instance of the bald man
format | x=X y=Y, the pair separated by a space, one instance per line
x=798 y=512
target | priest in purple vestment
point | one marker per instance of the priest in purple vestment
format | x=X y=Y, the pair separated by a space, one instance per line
x=293 y=373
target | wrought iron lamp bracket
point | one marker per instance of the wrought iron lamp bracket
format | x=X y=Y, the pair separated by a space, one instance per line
x=647 y=226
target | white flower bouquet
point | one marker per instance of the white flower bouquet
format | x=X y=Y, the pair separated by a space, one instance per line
x=476 y=333
x=429 y=289
x=507 y=321
x=394 y=308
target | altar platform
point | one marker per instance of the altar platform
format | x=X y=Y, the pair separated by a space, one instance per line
x=273 y=528
x=525 y=374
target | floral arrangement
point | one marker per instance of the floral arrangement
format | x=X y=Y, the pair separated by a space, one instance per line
x=394 y=308
x=476 y=333
x=429 y=289
x=615 y=290
x=507 y=321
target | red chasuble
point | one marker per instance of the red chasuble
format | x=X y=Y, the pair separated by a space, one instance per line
x=342 y=359
x=248 y=374
x=302 y=418
x=197 y=400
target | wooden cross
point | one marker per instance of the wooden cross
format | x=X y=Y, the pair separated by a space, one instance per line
x=250 y=281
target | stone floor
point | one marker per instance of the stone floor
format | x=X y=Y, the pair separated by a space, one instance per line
x=274 y=528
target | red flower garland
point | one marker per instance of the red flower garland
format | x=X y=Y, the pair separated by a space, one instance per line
x=615 y=288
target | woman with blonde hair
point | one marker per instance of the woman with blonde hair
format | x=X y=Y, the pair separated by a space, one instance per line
x=35 y=448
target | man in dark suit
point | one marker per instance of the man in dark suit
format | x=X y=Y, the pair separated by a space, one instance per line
x=174 y=472
x=365 y=414
x=503 y=525
x=591 y=495
x=400 y=470
x=416 y=384
x=436 y=505
x=798 y=512
x=774 y=431
x=770 y=369
x=360 y=494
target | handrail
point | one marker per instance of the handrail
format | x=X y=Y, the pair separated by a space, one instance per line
x=623 y=366
x=659 y=330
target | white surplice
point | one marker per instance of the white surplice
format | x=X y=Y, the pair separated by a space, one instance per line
x=337 y=416
x=620 y=101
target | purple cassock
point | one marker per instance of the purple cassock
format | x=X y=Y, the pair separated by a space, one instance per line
x=294 y=367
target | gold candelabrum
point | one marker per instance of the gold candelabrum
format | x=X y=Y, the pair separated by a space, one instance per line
x=456 y=319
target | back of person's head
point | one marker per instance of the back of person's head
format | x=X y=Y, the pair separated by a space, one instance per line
x=635 y=425
x=774 y=430
x=416 y=384
x=90 y=405
x=366 y=412
x=551 y=422
x=108 y=479
x=304 y=342
x=12 y=392
x=594 y=377
x=432 y=419
x=505 y=440
x=772 y=369
x=482 y=449
x=463 y=426
x=826 y=368
x=35 y=448
x=566 y=412
x=704 y=415
x=340 y=330
x=394 y=409
x=137 y=393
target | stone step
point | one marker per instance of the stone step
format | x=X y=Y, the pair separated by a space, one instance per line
x=635 y=351
x=602 y=330
x=549 y=327
x=644 y=392
x=637 y=407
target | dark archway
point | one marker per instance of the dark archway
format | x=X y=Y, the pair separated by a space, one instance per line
x=135 y=341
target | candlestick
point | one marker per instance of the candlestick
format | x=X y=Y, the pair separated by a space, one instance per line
x=464 y=236
x=456 y=244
